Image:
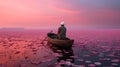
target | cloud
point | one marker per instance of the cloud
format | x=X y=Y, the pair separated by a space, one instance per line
x=32 y=13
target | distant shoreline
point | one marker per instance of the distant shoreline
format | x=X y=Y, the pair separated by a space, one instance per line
x=12 y=29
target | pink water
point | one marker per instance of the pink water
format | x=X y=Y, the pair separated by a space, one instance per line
x=99 y=48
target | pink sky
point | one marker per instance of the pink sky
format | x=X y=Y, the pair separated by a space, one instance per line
x=49 y=14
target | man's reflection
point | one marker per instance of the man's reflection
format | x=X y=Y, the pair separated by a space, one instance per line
x=66 y=54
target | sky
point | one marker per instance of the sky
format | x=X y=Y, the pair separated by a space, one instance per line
x=39 y=14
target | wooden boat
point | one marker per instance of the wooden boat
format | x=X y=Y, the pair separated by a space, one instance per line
x=53 y=39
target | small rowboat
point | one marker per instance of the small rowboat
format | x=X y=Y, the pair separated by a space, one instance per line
x=53 y=39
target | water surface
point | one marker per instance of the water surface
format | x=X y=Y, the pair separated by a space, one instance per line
x=92 y=48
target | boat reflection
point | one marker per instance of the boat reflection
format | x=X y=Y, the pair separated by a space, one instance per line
x=65 y=55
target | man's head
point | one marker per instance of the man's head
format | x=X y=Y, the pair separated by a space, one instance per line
x=62 y=23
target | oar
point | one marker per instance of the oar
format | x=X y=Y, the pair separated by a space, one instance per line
x=45 y=38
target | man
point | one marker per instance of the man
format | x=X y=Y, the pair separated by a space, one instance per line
x=62 y=31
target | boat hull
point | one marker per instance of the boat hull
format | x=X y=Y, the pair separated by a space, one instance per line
x=60 y=43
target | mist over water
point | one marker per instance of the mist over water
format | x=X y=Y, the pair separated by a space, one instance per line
x=92 y=48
